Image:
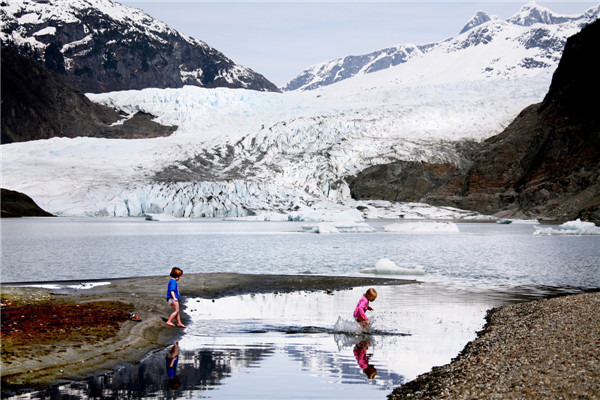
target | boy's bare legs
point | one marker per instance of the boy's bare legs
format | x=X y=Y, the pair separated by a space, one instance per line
x=179 y=323
x=175 y=314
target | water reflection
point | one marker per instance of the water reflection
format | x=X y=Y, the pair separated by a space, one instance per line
x=363 y=358
x=170 y=373
x=273 y=346
x=171 y=361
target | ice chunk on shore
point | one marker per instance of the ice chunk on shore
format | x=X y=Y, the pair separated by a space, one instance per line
x=163 y=217
x=422 y=227
x=577 y=227
x=385 y=266
x=328 y=221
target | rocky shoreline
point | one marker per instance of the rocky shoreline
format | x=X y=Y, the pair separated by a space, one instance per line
x=543 y=349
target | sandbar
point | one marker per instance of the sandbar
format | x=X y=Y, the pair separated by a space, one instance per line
x=63 y=331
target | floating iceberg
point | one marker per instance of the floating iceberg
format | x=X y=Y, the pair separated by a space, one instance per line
x=163 y=217
x=577 y=227
x=385 y=266
x=422 y=227
x=518 y=221
x=339 y=227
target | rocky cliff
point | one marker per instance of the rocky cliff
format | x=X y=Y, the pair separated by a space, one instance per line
x=37 y=104
x=101 y=46
x=545 y=164
x=16 y=204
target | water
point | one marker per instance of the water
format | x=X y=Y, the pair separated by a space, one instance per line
x=483 y=254
x=290 y=345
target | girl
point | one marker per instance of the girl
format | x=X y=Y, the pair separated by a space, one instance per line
x=173 y=297
x=362 y=306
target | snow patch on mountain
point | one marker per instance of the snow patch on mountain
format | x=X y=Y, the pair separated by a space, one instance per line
x=479 y=18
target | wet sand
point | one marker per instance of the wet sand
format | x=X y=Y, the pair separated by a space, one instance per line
x=49 y=336
x=543 y=349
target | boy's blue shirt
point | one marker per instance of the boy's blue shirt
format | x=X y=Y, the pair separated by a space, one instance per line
x=173 y=287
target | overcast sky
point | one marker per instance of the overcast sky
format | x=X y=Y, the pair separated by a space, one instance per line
x=280 y=39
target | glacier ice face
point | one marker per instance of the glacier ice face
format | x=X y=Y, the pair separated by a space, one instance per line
x=238 y=153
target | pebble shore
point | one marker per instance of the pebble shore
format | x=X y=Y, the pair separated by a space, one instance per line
x=543 y=349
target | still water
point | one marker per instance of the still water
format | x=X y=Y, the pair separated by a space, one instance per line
x=300 y=345
x=38 y=249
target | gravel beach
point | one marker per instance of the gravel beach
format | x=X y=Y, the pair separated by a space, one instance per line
x=543 y=349
x=55 y=335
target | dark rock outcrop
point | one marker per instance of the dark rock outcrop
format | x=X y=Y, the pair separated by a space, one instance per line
x=16 y=204
x=102 y=46
x=404 y=180
x=546 y=164
x=37 y=104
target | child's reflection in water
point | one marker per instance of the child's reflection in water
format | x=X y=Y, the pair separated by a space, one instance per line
x=360 y=353
x=171 y=361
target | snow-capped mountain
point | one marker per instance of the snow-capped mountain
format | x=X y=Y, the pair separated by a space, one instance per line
x=101 y=45
x=528 y=42
x=479 y=18
x=240 y=153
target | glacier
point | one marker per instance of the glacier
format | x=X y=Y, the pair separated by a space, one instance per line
x=286 y=156
x=239 y=153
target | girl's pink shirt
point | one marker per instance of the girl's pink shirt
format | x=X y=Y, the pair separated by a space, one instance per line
x=361 y=307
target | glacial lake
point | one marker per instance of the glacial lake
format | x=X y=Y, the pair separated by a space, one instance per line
x=301 y=345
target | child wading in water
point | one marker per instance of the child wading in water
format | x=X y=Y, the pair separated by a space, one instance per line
x=173 y=297
x=363 y=306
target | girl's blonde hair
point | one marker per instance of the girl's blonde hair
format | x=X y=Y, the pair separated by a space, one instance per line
x=371 y=292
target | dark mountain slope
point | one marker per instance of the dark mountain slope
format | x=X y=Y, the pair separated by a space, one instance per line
x=101 y=46
x=15 y=204
x=37 y=104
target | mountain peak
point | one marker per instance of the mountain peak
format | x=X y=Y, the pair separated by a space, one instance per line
x=532 y=13
x=481 y=17
x=101 y=45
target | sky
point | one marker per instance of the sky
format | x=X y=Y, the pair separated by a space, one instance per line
x=280 y=39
